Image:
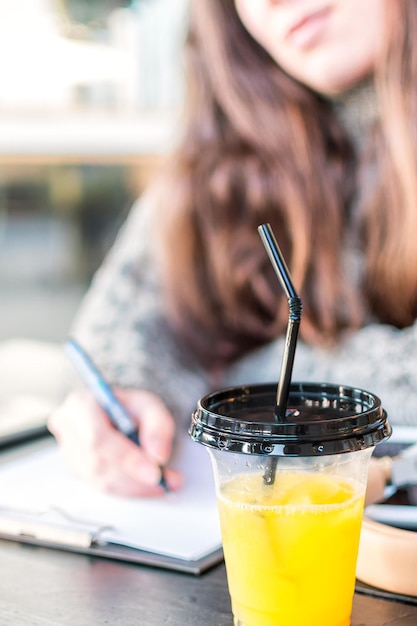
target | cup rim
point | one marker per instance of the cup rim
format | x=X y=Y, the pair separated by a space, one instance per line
x=333 y=419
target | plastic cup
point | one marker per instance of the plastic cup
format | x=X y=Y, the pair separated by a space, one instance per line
x=290 y=495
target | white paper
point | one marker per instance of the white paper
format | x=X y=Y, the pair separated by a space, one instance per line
x=183 y=524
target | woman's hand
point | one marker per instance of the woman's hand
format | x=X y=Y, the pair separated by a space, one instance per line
x=104 y=457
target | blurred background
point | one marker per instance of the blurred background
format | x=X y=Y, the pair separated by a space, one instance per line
x=89 y=94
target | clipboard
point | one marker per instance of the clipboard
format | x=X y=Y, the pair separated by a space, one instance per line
x=178 y=531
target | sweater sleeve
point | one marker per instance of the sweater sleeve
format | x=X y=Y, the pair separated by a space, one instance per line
x=378 y=358
x=121 y=322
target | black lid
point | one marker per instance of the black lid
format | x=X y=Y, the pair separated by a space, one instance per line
x=321 y=419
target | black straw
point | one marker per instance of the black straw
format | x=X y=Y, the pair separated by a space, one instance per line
x=295 y=311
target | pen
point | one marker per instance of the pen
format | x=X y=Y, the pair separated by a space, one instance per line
x=103 y=393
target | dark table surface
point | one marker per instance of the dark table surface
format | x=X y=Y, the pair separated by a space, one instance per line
x=41 y=586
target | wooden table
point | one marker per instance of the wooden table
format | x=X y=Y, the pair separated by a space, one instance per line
x=45 y=587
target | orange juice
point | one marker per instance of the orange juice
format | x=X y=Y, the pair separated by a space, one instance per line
x=291 y=548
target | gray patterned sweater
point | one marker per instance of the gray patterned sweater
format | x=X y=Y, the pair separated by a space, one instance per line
x=122 y=323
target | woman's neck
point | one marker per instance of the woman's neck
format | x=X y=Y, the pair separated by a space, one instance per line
x=357 y=111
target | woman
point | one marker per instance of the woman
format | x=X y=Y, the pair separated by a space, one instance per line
x=300 y=114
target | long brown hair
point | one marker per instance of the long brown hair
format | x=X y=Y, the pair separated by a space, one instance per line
x=259 y=147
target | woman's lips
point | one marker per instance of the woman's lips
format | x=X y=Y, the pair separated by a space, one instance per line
x=308 y=30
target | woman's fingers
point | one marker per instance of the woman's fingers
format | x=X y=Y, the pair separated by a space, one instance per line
x=156 y=425
x=100 y=454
